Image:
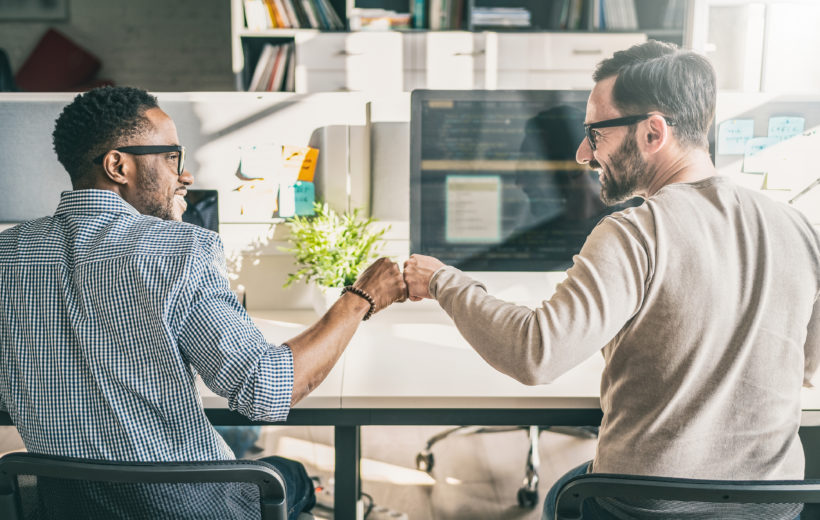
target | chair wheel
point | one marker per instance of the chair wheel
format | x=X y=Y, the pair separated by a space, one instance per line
x=527 y=498
x=424 y=462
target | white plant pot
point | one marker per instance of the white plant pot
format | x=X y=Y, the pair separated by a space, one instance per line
x=324 y=297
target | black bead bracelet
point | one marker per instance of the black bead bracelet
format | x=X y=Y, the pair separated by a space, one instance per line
x=363 y=294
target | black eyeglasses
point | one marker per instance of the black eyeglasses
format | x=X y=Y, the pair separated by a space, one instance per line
x=151 y=149
x=619 y=121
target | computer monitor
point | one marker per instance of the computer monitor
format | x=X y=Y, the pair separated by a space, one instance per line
x=203 y=209
x=494 y=185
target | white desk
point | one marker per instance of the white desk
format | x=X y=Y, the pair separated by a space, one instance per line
x=409 y=365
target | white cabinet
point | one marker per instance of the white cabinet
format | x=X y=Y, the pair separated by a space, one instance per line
x=349 y=62
x=448 y=59
x=550 y=60
x=395 y=61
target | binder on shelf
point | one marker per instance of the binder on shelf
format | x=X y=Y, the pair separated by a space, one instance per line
x=256 y=15
x=418 y=11
x=311 y=14
x=278 y=9
x=290 y=11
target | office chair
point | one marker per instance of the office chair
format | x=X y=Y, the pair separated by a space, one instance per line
x=528 y=493
x=725 y=494
x=43 y=486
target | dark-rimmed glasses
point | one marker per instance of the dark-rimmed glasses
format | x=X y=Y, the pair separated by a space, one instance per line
x=618 y=121
x=151 y=149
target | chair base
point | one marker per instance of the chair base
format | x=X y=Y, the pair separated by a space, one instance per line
x=527 y=494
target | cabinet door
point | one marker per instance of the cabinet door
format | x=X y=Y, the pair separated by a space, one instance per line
x=355 y=61
x=554 y=51
x=448 y=60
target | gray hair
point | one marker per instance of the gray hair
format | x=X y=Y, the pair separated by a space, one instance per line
x=657 y=76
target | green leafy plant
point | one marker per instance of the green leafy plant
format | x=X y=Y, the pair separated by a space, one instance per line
x=331 y=249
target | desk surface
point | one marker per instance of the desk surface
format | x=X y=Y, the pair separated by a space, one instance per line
x=409 y=357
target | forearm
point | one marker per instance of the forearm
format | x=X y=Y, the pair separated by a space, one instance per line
x=317 y=349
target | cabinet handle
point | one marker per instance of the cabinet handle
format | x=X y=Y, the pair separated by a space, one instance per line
x=472 y=54
x=587 y=52
x=344 y=52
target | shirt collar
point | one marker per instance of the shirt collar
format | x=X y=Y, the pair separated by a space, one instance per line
x=93 y=201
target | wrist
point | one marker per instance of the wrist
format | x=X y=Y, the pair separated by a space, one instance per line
x=364 y=299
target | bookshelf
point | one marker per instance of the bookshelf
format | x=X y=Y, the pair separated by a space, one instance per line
x=596 y=20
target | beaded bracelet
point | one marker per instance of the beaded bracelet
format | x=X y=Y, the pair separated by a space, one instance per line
x=359 y=292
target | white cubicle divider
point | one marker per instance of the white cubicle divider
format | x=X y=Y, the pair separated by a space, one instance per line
x=213 y=127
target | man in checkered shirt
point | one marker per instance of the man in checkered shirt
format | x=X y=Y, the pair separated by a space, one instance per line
x=111 y=306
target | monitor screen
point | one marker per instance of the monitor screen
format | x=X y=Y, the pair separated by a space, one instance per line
x=494 y=185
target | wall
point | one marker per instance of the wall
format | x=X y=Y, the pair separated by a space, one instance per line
x=159 y=45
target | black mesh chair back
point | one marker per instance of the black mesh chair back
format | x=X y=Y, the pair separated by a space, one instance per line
x=34 y=486
x=730 y=499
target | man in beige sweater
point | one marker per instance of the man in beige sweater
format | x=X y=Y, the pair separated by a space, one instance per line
x=703 y=300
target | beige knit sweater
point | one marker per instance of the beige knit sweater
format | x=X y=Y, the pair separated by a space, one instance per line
x=703 y=301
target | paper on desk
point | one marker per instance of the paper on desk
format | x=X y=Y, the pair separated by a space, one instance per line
x=789 y=164
x=733 y=134
x=752 y=158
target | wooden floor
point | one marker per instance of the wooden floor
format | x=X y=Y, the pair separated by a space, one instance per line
x=475 y=477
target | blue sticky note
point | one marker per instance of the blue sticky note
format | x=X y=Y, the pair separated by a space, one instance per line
x=733 y=134
x=786 y=127
x=304 y=196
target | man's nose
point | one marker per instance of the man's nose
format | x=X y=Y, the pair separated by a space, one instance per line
x=584 y=153
x=186 y=178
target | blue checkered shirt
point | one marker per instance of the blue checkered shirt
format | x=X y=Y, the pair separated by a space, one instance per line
x=106 y=316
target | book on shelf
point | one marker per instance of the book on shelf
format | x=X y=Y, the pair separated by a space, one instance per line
x=287 y=14
x=272 y=67
x=419 y=10
x=256 y=15
x=620 y=15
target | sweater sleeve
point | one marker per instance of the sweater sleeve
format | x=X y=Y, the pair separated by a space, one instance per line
x=603 y=289
x=812 y=347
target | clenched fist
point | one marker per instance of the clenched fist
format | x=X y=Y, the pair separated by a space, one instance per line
x=384 y=282
x=418 y=270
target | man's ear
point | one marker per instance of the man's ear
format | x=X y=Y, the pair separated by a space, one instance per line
x=656 y=135
x=117 y=167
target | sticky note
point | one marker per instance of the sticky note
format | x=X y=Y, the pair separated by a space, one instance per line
x=753 y=160
x=296 y=199
x=786 y=127
x=733 y=134
x=259 y=161
x=304 y=196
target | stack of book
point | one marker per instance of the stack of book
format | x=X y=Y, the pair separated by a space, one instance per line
x=377 y=19
x=274 y=69
x=291 y=14
x=517 y=17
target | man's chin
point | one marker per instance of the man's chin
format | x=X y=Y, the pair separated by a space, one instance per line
x=178 y=207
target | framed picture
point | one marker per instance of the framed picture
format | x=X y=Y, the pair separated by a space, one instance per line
x=33 y=10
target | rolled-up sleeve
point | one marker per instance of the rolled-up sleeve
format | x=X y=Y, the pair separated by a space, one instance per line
x=219 y=339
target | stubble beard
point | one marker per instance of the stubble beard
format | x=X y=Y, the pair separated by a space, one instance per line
x=151 y=201
x=631 y=167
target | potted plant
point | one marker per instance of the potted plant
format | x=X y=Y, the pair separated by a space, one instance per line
x=331 y=250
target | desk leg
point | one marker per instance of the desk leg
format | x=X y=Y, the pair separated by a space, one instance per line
x=348 y=478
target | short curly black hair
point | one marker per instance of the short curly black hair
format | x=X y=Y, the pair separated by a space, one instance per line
x=95 y=122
